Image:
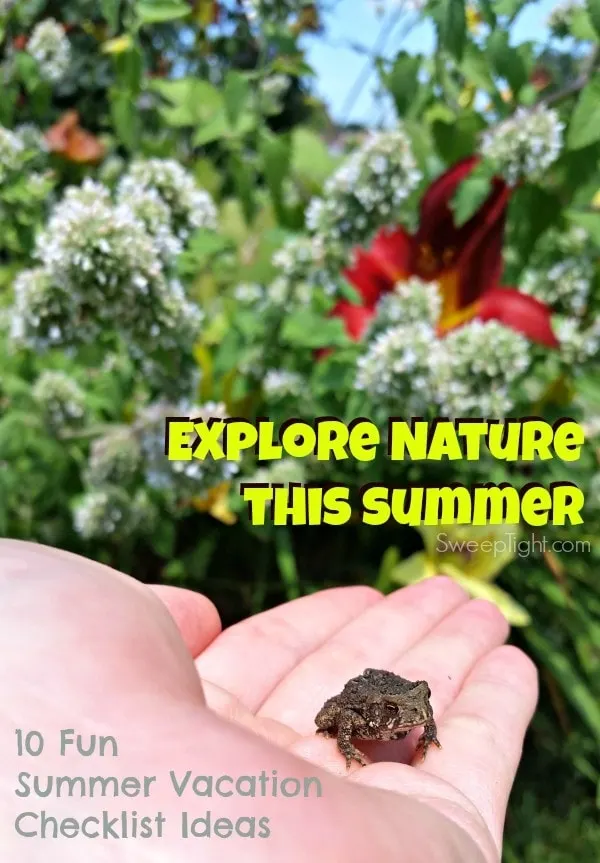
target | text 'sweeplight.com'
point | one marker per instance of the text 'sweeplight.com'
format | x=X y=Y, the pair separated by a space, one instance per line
x=331 y=439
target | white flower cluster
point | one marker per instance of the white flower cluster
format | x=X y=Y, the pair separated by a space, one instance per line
x=303 y=268
x=272 y=90
x=60 y=398
x=12 y=150
x=565 y=286
x=475 y=368
x=395 y=370
x=180 y=480
x=471 y=372
x=526 y=144
x=190 y=206
x=32 y=137
x=249 y=293
x=577 y=344
x=43 y=314
x=114 y=458
x=367 y=191
x=280 y=384
x=51 y=49
x=111 y=513
x=572 y=242
x=411 y=301
x=148 y=206
x=560 y=18
x=100 y=271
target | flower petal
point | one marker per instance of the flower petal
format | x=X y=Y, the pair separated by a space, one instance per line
x=356 y=318
x=481 y=262
x=513 y=611
x=368 y=278
x=393 y=250
x=521 y=312
x=434 y=203
x=475 y=248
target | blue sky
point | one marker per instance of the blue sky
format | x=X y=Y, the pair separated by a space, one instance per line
x=356 y=21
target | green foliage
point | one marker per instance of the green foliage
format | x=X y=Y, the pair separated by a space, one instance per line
x=583 y=129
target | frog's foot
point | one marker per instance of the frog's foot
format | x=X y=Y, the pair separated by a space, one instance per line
x=428 y=738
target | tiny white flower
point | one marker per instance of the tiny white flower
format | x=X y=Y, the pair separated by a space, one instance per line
x=367 y=191
x=190 y=206
x=50 y=47
x=61 y=399
x=526 y=144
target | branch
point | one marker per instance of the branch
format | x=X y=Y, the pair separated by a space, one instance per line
x=576 y=85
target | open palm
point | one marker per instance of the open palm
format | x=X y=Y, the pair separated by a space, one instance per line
x=270 y=675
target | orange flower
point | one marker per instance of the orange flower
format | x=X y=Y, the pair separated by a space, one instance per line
x=69 y=140
x=466 y=262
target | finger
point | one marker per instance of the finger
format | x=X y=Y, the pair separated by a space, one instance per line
x=483 y=733
x=445 y=658
x=250 y=658
x=374 y=639
x=229 y=707
x=194 y=614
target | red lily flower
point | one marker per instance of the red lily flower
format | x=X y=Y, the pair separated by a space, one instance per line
x=465 y=261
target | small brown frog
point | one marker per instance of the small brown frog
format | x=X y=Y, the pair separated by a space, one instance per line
x=377 y=705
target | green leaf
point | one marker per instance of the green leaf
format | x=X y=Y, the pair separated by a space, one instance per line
x=573 y=686
x=584 y=128
x=158 y=11
x=8 y=103
x=244 y=177
x=581 y=25
x=532 y=211
x=476 y=68
x=125 y=119
x=235 y=95
x=510 y=8
x=304 y=329
x=286 y=563
x=487 y=11
x=164 y=538
x=506 y=60
x=110 y=10
x=589 y=220
x=452 y=27
x=130 y=69
x=402 y=81
x=388 y=562
x=458 y=139
x=218 y=127
x=208 y=176
x=312 y=163
x=414 y=568
x=276 y=157
x=528 y=95
x=27 y=70
x=471 y=193
x=213 y=129
x=192 y=101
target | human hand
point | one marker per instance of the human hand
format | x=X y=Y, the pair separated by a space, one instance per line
x=90 y=649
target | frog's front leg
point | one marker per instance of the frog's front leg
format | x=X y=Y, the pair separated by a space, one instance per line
x=428 y=738
x=350 y=725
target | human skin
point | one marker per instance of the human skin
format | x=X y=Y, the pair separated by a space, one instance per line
x=87 y=648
